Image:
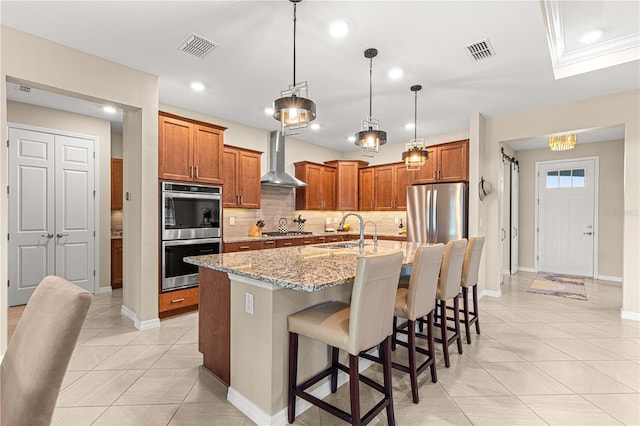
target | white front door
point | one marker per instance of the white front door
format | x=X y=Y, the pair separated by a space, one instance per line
x=566 y=209
x=51 y=211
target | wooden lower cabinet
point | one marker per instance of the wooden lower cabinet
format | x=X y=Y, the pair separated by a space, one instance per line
x=116 y=263
x=177 y=302
x=242 y=246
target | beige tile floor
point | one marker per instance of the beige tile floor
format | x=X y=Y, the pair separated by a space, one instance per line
x=539 y=360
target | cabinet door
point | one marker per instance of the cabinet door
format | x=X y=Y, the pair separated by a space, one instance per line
x=230 y=196
x=347 y=185
x=453 y=162
x=309 y=198
x=116 y=263
x=427 y=173
x=329 y=188
x=207 y=154
x=384 y=187
x=241 y=246
x=365 y=186
x=175 y=149
x=248 y=178
x=403 y=179
x=116 y=184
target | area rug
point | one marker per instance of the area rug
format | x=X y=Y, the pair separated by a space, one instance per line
x=559 y=285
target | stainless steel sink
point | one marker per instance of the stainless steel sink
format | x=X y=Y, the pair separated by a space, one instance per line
x=342 y=245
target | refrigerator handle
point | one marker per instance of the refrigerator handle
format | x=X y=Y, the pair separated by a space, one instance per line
x=434 y=215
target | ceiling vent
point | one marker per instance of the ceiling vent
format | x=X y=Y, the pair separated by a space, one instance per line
x=197 y=45
x=25 y=89
x=480 y=50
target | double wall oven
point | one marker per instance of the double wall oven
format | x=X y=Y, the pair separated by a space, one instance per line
x=191 y=226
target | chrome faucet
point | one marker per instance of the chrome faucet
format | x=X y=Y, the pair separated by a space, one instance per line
x=375 y=234
x=361 y=241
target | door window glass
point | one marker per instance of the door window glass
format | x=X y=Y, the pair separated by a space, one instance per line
x=573 y=178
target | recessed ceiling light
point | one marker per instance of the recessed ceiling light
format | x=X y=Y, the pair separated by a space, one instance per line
x=268 y=111
x=591 y=36
x=338 y=29
x=109 y=109
x=315 y=126
x=351 y=138
x=409 y=126
x=396 y=73
x=197 y=86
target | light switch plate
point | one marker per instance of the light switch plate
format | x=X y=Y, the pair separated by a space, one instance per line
x=232 y=221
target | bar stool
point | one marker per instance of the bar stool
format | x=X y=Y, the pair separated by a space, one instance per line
x=470 y=269
x=449 y=288
x=413 y=303
x=367 y=322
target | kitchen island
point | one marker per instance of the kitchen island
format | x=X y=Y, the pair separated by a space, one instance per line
x=245 y=299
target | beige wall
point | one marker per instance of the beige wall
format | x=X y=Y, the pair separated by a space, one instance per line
x=506 y=255
x=116 y=144
x=610 y=202
x=51 y=66
x=606 y=111
x=65 y=121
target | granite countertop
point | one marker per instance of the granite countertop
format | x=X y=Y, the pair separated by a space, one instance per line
x=303 y=268
x=244 y=239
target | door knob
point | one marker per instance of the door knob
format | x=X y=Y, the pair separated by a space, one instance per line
x=47 y=235
x=62 y=235
x=588 y=233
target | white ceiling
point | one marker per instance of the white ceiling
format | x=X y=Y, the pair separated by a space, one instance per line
x=425 y=38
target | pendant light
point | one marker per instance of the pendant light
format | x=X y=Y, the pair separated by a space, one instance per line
x=415 y=156
x=370 y=137
x=293 y=109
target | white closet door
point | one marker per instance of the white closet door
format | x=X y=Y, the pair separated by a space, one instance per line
x=75 y=211
x=515 y=231
x=31 y=212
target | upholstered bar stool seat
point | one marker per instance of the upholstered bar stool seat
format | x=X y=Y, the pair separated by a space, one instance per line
x=364 y=324
x=469 y=279
x=449 y=289
x=414 y=302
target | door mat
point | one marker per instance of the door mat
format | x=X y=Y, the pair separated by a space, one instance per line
x=559 y=285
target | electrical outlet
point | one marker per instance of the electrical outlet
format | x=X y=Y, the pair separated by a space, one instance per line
x=396 y=221
x=232 y=221
x=248 y=303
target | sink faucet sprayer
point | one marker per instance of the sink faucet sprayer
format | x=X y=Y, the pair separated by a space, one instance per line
x=375 y=234
x=361 y=241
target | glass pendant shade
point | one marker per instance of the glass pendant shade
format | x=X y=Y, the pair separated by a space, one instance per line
x=563 y=142
x=370 y=138
x=415 y=155
x=293 y=109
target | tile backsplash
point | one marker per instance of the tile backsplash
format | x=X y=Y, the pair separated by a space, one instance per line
x=280 y=203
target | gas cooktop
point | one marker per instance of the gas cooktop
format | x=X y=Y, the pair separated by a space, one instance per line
x=277 y=234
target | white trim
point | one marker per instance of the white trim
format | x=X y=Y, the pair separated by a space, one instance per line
x=104 y=290
x=255 y=283
x=260 y=417
x=489 y=293
x=633 y=316
x=608 y=278
x=140 y=325
x=506 y=272
x=596 y=205
x=527 y=269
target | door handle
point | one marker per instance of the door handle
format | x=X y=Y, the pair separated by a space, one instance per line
x=47 y=235
x=515 y=232
x=196 y=172
x=62 y=235
x=190 y=171
x=504 y=234
x=588 y=233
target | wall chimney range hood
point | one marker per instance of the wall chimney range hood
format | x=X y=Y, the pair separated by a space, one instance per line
x=277 y=176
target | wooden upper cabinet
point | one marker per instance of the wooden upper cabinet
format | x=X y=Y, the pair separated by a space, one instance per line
x=403 y=179
x=390 y=186
x=241 y=177
x=321 y=192
x=347 y=176
x=366 y=189
x=189 y=150
x=116 y=184
x=447 y=163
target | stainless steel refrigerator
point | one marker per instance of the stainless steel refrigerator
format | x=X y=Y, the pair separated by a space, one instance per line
x=437 y=213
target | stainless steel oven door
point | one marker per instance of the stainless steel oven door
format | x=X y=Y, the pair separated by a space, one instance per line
x=191 y=215
x=175 y=272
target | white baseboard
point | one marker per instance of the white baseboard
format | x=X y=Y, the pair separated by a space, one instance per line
x=489 y=293
x=506 y=272
x=525 y=269
x=633 y=316
x=105 y=290
x=260 y=417
x=140 y=325
x=608 y=278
